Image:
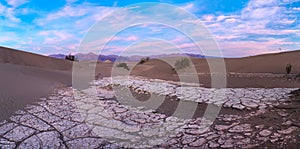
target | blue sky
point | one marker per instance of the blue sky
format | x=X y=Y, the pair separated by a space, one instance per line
x=240 y=27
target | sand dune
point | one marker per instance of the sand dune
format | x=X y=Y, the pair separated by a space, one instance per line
x=267 y=63
x=266 y=70
x=26 y=77
x=271 y=63
x=12 y=56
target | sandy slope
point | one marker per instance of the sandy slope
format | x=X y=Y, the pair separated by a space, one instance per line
x=272 y=63
x=267 y=63
x=26 y=77
x=12 y=56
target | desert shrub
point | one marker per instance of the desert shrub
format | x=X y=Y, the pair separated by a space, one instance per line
x=147 y=58
x=182 y=63
x=70 y=57
x=143 y=60
x=288 y=68
x=123 y=65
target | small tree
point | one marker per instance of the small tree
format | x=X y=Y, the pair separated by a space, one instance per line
x=288 y=68
x=143 y=60
x=123 y=65
x=182 y=63
x=70 y=57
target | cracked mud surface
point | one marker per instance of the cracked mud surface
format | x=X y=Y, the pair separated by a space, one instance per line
x=95 y=118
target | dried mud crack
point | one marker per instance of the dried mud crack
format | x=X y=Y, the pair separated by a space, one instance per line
x=95 y=118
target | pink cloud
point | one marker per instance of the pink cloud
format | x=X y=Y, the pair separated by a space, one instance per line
x=5 y=39
x=178 y=39
x=246 y=48
x=58 y=35
x=208 y=18
x=129 y=38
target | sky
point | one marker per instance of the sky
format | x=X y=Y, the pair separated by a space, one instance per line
x=239 y=27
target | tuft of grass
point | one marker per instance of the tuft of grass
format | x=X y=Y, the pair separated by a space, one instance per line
x=182 y=63
x=123 y=65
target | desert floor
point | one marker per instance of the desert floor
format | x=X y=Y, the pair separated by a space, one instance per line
x=41 y=107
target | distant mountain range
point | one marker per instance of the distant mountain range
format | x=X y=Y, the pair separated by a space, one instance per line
x=93 y=56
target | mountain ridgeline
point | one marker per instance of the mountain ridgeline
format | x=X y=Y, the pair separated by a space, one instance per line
x=113 y=58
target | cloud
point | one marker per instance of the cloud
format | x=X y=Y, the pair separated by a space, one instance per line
x=56 y=36
x=190 y=7
x=223 y=17
x=258 y=9
x=208 y=18
x=289 y=1
x=2 y=8
x=260 y=3
x=61 y=31
x=150 y=47
x=8 y=13
x=84 y=15
x=71 y=1
x=261 y=26
x=249 y=29
x=67 y=11
x=260 y=13
x=16 y=3
x=286 y=21
x=6 y=39
x=129 y=38
x=231 y=49
x=296 y=8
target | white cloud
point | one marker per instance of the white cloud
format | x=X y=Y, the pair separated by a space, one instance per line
x=188 y=6
x=289 y=1
x=227 y=37
x=10 y=11
x=261 y=9
x=231 y=20
x=129 y=38
x=222 y=17
x=10 y=14
x=16 y=3
x=296 y=8
x=262 y=3
x=286 y=21
x=84 y=15
x=58 y=33
x=249 y=29
x=68 y=11
x=2 y=8
x=260 y=13
x=71 y=1
x=208 y=18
